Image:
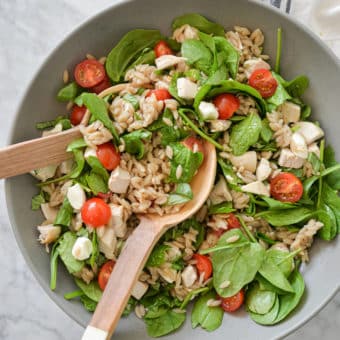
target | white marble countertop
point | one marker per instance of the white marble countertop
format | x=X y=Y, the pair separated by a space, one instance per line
x=29 y=29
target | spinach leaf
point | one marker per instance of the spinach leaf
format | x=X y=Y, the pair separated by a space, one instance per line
x=228 y=172
x=209 y=318
x=91 y=290
x=280 y=95
x=265 y=238
x=189 y=162
x=284 y=260
x=306 y=111
x=133 y=100
x=147 y=56
x=260 y=301
x=164 y=324
x=80 y=163
x=54 y=265
x=230 y=55
x=222 y=208
x=279 y=217
x=128 y=50
x=65 y=214
x=96 y=183
x=245 y=134
x=270 y=271
x=314 y=160
x=88 y=303
x=238 y=265
x=68 y=92
x=95 y=250
x=199 y=22
x=134 y=142
x=65 y=122
x=158 y=256
x=66 y=243
x=97 y=107
x=289 y=302
x=266 y=285
x=268 y=318
x=173 y=90
x=37 y=200
x=274 y=204
x=266 y=131
x=76 y=144
x=190 y=296
x=229 y=86
x=332 y=179
x=130 y=306
x=197 y=54
x=182 y=194
x=98 y=168
x=297 y=86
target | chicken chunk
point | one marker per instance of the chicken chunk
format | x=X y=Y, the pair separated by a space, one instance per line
x=139 y=289
x=257 y=188
x=289 y=160
x=263 y=170
x=186 y=88
x=220 y=192
x=248 y=160
x=165 y=61
x=189 y=276
x=254 y=64
x=310 y=131
x=291 y=112
x=119 y=180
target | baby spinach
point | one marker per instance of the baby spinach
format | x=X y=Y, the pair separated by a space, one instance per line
x=68 y=92
x=88 y=303
x=98 y=109
x=238 y=265
x=147 y=56
x=158 y=256
x=130 y=306
x=289 y=302
x=285 y=217
x=190 y=296
x=182 y=194
x=38 y=200
x=222 y=208
x=333 y=179
x=260 y=301
x=133 y=100
x=197 y=54
x=76 y=144
x=274 y=204
x=54 y=265
x=65 y=122
x=268 y=318
x=96 y=183
x=283 y=259
x=297 y=86
x=65 y=214
x=266 y=131
x=280 y=95
x=188 y=160
x=66 y=243
x=128 y=49
x=164 y=324
x=209 y=318
x=98 y=168
x=95 y=250
x=265 y=238
x=134 y=142
x=228 y=173
x=199 y=22
x=245 y=134
x=266 y=285
x=91 y=290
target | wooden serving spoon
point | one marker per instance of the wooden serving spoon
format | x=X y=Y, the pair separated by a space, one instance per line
x=138 y=248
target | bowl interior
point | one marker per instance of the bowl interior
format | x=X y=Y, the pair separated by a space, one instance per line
x=302 y=54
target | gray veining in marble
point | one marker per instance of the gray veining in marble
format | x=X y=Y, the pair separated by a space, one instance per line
x=29 y=29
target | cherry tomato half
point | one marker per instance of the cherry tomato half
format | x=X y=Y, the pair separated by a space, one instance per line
x=286 y=187
x=162 y=48
x=89 y=73
x=77 y=114
x=108 y=156
x=263 y=81
x=160 y=94
x=104 y=273
x=203 y=265
x=226 y=104
x=95 y=212
x=194 y=144
x=103 y=85
x=233 y=303
x=233 y=222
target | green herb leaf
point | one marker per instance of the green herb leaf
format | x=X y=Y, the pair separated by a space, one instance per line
x=134 y=142
x=199 y=22
x=268 y=318
x=222 y=208
x=147 y=56
x=37 y=200
x=65 y=122
x=68 y=92
x=98 y=168
x=128 y=49
x=133 y=100
x=266 y=131
x=280 y=95
x=260 y=301
x=54 y=265
x=76 y=144
x=278 y=50
x=332 y=179
x=96 y=183
x=297 y=86
x=209 y=318
x=158 y=256
x=97 y=107
x=245 y=134
x=91 y=290
x=65 y=214
x=274 y=204
x=130 y=306
x=182 y=194
x=190 y=296
x=88 y=303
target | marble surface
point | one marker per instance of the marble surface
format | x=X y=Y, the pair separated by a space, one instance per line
x=29 y=29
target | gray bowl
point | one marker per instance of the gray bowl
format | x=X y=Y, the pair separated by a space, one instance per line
x=303 y=53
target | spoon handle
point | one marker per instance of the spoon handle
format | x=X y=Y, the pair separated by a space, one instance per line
x=124 y=276
x=37 y=153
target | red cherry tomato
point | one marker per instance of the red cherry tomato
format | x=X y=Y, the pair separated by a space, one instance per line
x=95 y=212
x=108 y=156
x=89 y=73
x=77 y=114
x=194 y=144
x=203 y=265
x=263 y=81
x=233 y=303
x=286 y=187
x=233 y=222
x=104 y=196
x=103 y=85
x=226 y=104
x=162 y=48
x=160 y=94
x=104 y=273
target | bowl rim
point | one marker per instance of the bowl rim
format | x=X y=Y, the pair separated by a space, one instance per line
x=24 y=95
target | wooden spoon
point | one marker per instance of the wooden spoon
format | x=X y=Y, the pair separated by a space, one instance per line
x=138 y=248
